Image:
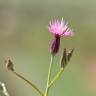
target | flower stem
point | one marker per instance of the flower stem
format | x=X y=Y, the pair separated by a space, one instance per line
x=49 y=75
x=32 y=85
x=56 y=77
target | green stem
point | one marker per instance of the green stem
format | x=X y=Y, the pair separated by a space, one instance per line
x=49 y=75
x=32 y=85
x=56 y=77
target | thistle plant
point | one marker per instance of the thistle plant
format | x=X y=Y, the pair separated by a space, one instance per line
x=58 y=29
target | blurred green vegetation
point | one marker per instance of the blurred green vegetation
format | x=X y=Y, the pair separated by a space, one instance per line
x=25 y=39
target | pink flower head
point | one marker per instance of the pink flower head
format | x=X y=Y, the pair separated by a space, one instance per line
x=60 y=28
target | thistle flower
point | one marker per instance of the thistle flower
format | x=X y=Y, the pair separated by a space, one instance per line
x=59 y=29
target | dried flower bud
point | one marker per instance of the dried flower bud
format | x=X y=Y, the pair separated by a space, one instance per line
x=66 y=57
x=55 y=45
x=70 y=53
x=9 y=64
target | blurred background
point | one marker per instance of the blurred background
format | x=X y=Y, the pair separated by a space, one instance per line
x=25 y=39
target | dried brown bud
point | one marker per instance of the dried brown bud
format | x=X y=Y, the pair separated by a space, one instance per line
x=9 y=64
x=70 y=53
x=66 y=57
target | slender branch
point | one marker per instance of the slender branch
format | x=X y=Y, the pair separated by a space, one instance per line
x=49 y=75
x=10 y=66
x=4 y=89
x=32 y=85
x=56 y=77
x=50 y=69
